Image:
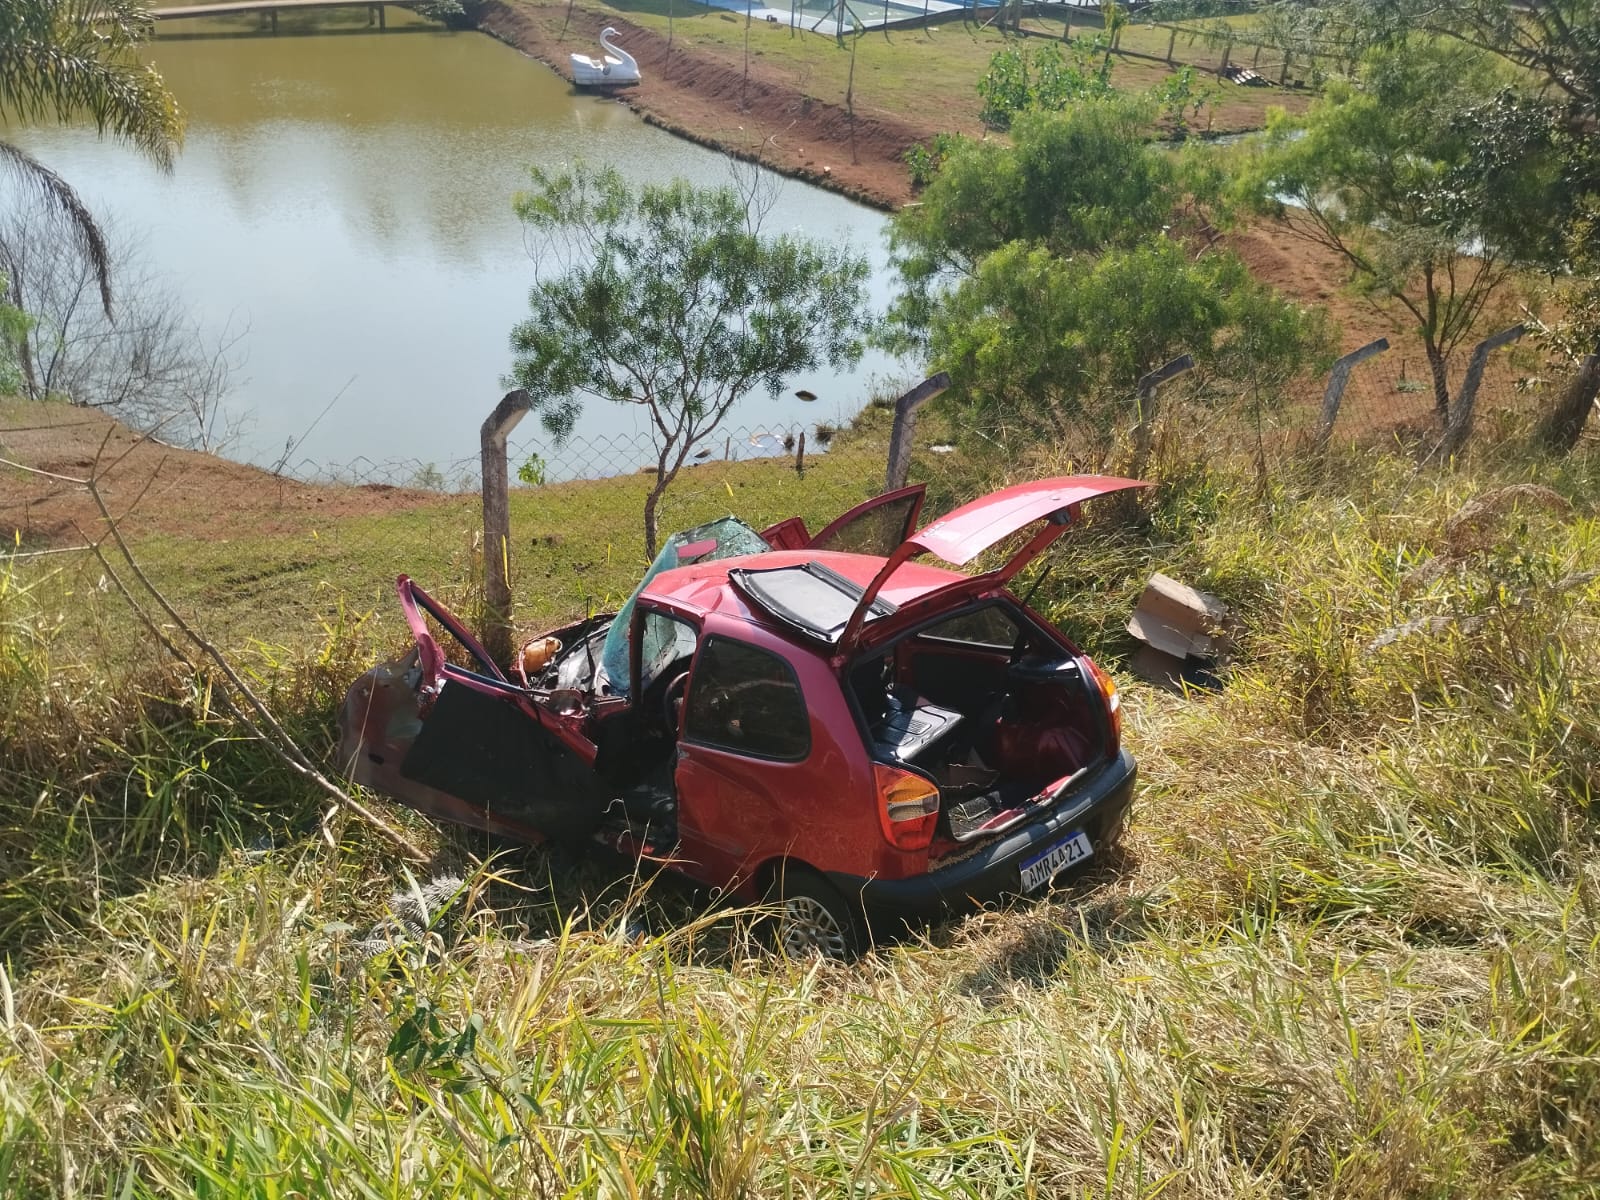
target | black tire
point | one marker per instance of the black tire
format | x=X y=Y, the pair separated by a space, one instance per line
x=813 y=916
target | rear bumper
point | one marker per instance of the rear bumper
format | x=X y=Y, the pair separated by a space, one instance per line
x=994 y=871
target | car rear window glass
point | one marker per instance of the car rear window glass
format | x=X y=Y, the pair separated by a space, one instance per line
x=990 y=625
x=748 y=701
x=877 y=531
x=811 y=597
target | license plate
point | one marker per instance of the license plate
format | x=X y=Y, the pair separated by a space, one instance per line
x=1038 y=871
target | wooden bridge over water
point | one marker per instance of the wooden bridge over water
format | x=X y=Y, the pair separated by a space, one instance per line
x=269 y=9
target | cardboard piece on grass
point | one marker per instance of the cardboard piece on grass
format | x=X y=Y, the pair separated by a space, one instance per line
x=1183 y=631
x=1179 y=620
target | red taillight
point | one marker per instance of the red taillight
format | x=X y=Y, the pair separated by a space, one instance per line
x=908 y=807
x=1108 y=692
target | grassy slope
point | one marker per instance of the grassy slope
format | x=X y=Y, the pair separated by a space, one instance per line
x=930 y=72
x=1350 y=949
x=575 y=546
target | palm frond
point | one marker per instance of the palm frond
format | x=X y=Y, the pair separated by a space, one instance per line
x=70 y=60
x=34 y=176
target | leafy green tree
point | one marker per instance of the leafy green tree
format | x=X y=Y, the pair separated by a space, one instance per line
x=669 y=298
x=1020 y=78
x=1556 y=43
x=1045 y=276
x=1040 y=346
x=1553 y=50
x=1070 y=182
x=75 y=60
x=1392 y=174
x=1181 y=96
x=1554 y=47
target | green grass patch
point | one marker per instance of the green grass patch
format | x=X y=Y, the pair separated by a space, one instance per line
x=575 y=547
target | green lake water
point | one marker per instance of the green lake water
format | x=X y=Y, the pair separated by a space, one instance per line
x=345 y=195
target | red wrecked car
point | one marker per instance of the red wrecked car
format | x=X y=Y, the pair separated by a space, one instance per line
x=819 y=721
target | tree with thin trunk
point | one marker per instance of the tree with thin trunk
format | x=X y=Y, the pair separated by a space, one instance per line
x=1553 y=48
x=668 y=298
x=75 y=61
x=1391 y=172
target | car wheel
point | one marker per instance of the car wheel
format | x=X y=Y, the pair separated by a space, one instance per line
x=813 y=918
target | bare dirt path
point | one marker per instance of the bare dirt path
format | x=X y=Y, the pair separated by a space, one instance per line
x=177 y=491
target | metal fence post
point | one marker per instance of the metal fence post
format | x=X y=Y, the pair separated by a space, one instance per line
x=1459 y=427
x=496 y=631
x=1146 y=391
x=905 y=426
x=1338 y=379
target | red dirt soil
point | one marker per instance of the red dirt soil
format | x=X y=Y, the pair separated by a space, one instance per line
x=162 y=489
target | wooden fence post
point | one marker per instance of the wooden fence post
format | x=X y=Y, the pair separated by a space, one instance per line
x=1172 y=40
x=905 y=426
x=1562 y=426
x=1459 y=428
x=496 y=631
x=1338 y=378
x=1146 y=391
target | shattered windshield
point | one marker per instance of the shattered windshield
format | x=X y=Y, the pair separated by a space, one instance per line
x=732 y=537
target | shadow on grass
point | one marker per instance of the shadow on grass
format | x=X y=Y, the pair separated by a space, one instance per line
x=541 y=892
x=1049 y=933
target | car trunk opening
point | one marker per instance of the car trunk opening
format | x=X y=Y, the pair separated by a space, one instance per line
x=1001 y=717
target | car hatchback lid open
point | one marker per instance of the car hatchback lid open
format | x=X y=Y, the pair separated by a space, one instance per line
x=817 y=601
x=962 y=535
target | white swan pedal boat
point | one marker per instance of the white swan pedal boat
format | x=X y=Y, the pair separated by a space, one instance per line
x=612 y=67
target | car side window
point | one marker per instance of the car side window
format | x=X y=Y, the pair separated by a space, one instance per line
x=748 y=701
x=877 y=531
x=990 y=626
x=666 y=642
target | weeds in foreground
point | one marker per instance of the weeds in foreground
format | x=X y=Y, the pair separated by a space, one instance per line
x=1352 y=949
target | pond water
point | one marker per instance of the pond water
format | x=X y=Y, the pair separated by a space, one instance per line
x=346 y=196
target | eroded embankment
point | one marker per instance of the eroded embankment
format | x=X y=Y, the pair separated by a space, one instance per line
x=752 y=115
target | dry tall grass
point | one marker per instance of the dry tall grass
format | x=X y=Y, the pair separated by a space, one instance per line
x=1351 y=947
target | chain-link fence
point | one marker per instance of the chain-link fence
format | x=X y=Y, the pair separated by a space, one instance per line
x=1214 y=49
x=272 y=555
x=261 y=555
